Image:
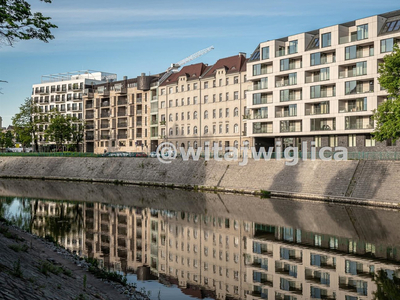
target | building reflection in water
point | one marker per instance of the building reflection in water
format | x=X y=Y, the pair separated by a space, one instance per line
x=222 y=258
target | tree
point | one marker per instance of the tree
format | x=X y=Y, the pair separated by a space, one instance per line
x=8 y=139
x=387 y=116
x=26 y=123
x=387 y=288
x=59 y=130
x=77 y=132
x=17 y=22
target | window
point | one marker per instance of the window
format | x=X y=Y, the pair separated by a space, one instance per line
x=326 y=40
x=235 y=95
x=236 y=112
x=227 y=81
x=182 y=131
x=214 y=129
x=188 y=115
x=214 y=98
x=206 y=85
x=256 y=70
x=369 y=141
x=265 y=53
x=206 y=99
x=220 y=129
x=182 y=102
x=351 y=52
x=362 y=32
x=220 y=112
x=220 y=82
x=170 y=118
x=227 y=113
x=182 y=116
x=284 y=64
x=227 y=128
x=176 y=131
x=195 y=115
x=220 y=97
x=236 y=79
x=182 y=88
x=176 y=117
x=214 y=113
x=236 y=128
x=292 y=47
x=195 y=130
x=170 y=103
x=195 y=100
x=352 y=140
x=386 y=45
x=333 y=141
x=171 y=132
x=227 y=96
x=317 y=140
x=206 y=114
x=195 y=86
x=176 y=103
x=205 y=129
x=188 y=132
x=188 y=87
x=188 y=101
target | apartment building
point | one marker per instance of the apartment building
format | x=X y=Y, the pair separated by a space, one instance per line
x=321 y=85
x=204 y=104
x=63 y=92
x=119 y=117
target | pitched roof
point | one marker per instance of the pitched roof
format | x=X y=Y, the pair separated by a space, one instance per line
x=232 y=64
x=191 y=72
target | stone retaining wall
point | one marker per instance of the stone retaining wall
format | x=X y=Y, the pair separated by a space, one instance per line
x=376 y=180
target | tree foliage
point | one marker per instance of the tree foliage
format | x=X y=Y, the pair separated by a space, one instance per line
x=18 y=22
x=59 y=130
x=387 y=288
x=6 y=139
x=25 y=124
x=387 y=116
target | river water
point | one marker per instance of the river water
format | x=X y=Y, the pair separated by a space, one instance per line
x=185 y=245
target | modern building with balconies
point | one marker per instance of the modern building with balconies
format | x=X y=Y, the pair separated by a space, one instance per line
x=63 y=92
x=120 y=115
x=321 y=86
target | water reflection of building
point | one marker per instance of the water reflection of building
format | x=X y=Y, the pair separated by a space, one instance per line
x=61 y=220
x=227 y=258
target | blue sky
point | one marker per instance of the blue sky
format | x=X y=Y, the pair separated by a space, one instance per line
x=129 y=37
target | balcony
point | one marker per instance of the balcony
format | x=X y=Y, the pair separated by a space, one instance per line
x=322 y=91
x=290 y=95
x=105 y=103
x=89 y=126
x=76 y=87
x=139 y=112
x=105 y=125
x=359 y=122
x=262 y=98
x=356 y=105
x=259 y=127
x=292 y=126
x=138 y=124
x=122 y=101
x=261 y=113
x=317 y=108
x=122 y=113
x=138 y=100
x=122 y=124
x=122 y=136
x=359 y=87
x=43 y=91
x=105 y=136
x=119 y=89
x=106 y=114
x=89 y=137
x=89 y=105
x=323 y=124
x=89 y=116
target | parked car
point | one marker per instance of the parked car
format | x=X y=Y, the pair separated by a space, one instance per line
x=138 y=154
x=116 y=154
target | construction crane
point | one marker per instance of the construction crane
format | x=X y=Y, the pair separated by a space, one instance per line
x=175 y=67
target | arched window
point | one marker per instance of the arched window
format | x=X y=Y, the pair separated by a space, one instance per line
x=170 y=118
x=183 y=145
x=236 y=112
x=171 y=132
x=205 y=129
x=188 y=115
x=188 y=145
x=195 y=145
x=195 y=115
x=206 y=114
x=236 y=128
x=195 y=130
x=236 y=144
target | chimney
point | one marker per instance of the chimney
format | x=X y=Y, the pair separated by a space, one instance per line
x=242 y=54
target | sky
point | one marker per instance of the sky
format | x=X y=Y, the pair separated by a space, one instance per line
x=130 y=37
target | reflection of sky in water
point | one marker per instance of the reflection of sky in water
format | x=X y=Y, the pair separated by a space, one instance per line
x=156 y=288
x=16 y=212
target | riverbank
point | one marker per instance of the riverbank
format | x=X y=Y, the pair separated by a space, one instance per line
x=358 y=181
x=33 y=268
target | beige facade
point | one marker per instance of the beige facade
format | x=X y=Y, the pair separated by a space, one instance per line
x=118 y=116
x=204 y=104
x=321 y=85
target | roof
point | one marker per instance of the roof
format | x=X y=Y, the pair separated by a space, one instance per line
x=232 y=64
x=191 y=72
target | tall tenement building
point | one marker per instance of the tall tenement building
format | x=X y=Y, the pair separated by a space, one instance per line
x=320 y=85
x=120 y=115
x=205 y=104
x=63 y=92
